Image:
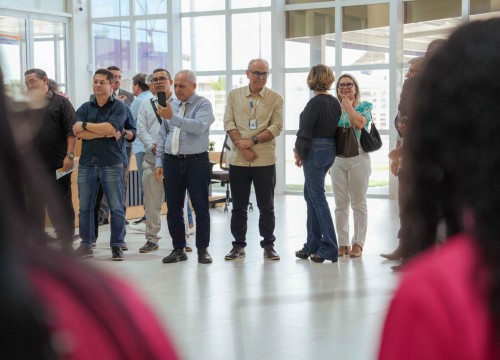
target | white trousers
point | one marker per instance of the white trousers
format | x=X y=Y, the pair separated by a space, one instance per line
x=350 y=178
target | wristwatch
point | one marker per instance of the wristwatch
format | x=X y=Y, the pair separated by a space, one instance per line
x=71 y=155
x=84 y=125
x=255 y=139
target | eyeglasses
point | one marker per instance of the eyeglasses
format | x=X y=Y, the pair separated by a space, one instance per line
x=160 y=79
x=257 y=74
x=346 y=85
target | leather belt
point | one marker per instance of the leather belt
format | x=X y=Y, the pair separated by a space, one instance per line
x=184 y=156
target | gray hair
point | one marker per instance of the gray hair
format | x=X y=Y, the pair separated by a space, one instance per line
x=191 y=76
x=253 y=61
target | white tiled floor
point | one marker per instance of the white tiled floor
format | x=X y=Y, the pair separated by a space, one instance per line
x=260 y=309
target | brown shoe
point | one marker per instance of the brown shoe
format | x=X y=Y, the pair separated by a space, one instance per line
x=235 y=253
x=270 y=253
x=344 y=250
x=356 y=251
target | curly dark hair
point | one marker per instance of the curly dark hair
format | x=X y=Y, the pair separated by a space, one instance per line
x=452 y=160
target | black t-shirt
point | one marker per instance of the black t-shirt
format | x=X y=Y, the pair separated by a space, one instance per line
x=319 y=119
x=51 y=142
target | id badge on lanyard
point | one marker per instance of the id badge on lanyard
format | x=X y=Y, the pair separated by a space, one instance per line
x=252 y=123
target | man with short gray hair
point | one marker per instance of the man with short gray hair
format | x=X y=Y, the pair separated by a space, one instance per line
x=182 y=156
x=253 y=119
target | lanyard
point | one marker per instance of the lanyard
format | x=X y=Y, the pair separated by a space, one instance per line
x=253 y=107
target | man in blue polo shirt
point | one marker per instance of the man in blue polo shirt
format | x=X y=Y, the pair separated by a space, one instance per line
x=100 y=124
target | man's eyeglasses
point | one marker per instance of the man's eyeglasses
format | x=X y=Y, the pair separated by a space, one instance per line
x=158 y=80
x=257 y=74
x=346 y=85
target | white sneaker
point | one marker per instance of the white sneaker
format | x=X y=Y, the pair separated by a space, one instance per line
x=141 y=227
x=192 y=229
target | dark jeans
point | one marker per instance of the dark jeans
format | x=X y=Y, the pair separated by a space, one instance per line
x=191 y=174
x=264 y=182
x=321 y=238
x=57 y=198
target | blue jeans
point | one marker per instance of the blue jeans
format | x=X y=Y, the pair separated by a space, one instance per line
x=111 y=180
x=191 y=174
x=321 y=238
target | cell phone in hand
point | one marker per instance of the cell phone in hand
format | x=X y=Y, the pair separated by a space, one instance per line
x=162 y=98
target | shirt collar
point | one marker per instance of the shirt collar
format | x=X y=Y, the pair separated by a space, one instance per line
x=261 y=93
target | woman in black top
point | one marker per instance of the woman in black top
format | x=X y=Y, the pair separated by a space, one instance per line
x=315 y=152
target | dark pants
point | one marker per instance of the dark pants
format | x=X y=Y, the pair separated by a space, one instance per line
x=191 y=174
x=57 y=198
x=264 y=182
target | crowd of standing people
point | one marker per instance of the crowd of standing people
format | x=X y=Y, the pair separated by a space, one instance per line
x=450 y=185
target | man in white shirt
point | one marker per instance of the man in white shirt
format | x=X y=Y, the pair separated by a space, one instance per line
x=148 y=126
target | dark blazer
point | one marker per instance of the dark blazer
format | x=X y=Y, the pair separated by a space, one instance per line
x=129 y=95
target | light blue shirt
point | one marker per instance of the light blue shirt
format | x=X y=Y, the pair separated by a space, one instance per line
x=137 y=145
x=195 y=128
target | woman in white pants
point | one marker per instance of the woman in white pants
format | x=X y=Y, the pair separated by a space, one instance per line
x=350 y=175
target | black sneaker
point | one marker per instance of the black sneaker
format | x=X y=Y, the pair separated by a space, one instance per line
x=103 y=222
x=148 y=247
x=140 y=220
x=188 y=248
x=117 y=253
x=124 y=246
x=84 y=252
x=235 y=253
x=175 y=256
x=270 y=253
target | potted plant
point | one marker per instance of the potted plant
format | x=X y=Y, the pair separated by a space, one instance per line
x=211 y=145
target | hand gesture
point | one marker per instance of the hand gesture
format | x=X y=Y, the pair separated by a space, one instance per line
x=159 y=175
x=165 y=112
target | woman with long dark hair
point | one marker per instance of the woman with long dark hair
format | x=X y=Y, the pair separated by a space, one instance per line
x=448 y=303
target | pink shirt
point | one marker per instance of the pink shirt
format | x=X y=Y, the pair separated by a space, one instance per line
x=112 y=334
x=440 y=309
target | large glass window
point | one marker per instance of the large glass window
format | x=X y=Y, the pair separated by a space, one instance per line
x=49 y=49
x=202 y=5
x=204 y=43
x=250 y=38
x=365 y=36
x=310 y=37
x=151 y=45
x=242 y=4
x=150 y=7
x=112 y=45
x=13 y=50
x=214 y=89
x=109 y=8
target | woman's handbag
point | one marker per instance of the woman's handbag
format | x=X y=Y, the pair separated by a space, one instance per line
x=345 y=142
x=370 y=141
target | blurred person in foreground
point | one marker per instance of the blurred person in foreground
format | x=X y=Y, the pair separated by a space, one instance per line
x=315 y=152
x=53 y=307
x=54 y=144
x=448 y=303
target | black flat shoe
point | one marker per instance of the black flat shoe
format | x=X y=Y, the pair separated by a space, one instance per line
x=301 y=254
x=317 y=258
